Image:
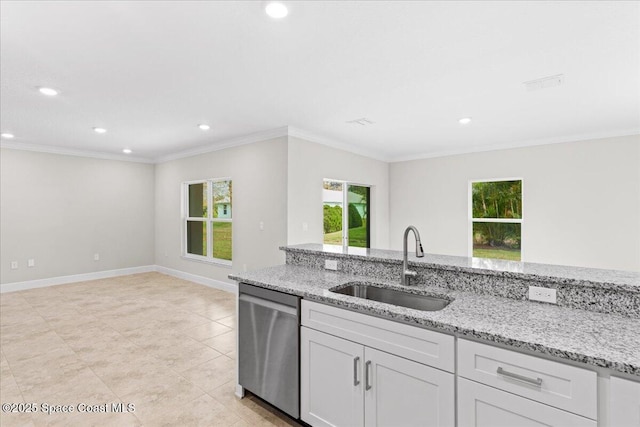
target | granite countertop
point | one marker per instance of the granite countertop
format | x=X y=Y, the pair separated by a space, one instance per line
x=597 y=339
x=618 y=280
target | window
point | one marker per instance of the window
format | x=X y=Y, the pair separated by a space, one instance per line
x=208 y=232
x=350 y=226
x=496 y=219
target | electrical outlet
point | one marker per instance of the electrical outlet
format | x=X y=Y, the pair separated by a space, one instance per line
x=305 y=226
x=331 y=264
x=96 y=257
x=261 y=225
x=542 y=294
x=14 y=265
x=31 y=263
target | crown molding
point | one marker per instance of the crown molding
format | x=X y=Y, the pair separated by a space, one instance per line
x=235 y=142
x=243 y=140
x=271 y=134
x=311 y=137
x=73 y=152
x=520 y=144
x=340 y=145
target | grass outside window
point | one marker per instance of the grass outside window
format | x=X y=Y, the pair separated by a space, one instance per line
x=222 y=238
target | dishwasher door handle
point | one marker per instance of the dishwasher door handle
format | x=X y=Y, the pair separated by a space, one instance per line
x=269 y=304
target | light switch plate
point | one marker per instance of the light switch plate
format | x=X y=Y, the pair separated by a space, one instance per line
x=537 y=293
x=331 y=264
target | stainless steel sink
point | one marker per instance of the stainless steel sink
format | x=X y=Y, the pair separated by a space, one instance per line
x=373 y=292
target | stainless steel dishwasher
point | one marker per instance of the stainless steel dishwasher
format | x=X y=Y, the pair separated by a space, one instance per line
x=268 y=346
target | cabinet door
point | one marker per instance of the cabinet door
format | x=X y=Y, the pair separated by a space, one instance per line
x=331 y=386
x=624 y=403
x=400 y=392
x=483 y=406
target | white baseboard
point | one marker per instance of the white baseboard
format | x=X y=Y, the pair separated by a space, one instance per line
x=61 y=280
x=201 y=280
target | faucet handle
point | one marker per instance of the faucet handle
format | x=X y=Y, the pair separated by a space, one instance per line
x=410 y=273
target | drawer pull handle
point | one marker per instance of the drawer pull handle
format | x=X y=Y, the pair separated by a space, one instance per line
x=535 y=382
x=356 y=381
x=367 y=385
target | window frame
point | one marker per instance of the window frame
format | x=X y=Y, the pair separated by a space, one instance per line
x=209 y=220
x=471 y=219
x=345 y=212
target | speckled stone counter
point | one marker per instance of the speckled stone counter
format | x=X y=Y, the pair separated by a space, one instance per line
x=597 y=339
x=605 y=291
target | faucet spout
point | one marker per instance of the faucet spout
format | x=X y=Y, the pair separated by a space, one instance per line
x=406 y=273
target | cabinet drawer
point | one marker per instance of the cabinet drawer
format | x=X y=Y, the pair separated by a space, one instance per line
x=411 y=342
x=480 y=405
x=563 y=386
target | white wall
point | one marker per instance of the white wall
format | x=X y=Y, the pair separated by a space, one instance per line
x=581 y=200
x=259 y=174
x=309 y=163
x=581 y=204
x=61 y=210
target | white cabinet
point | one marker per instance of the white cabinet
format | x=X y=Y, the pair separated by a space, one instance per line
x=330 y=380
x=556 y=384
x=347 y=383
x=483 y=406
x=537 y=392
x=359 y=370
x=624 y=403
x=411 y=342
x=399 y=392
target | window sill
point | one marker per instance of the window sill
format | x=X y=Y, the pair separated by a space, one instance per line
x=217 y=262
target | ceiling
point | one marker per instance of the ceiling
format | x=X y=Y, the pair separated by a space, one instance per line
x=150 y=72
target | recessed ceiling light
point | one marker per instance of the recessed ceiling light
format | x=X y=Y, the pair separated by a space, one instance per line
x=126 y=150
x=276 y=10
x=99 y=130
x=465 y=120
x=7 y=135
x=48 y=91
x=204 y=127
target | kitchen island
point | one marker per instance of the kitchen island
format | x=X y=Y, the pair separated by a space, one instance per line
x=594 y=324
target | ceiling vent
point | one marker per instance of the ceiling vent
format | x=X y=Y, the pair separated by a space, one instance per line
x=361 y=122
x=544 y=83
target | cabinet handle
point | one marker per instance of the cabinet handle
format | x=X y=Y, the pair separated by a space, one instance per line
x=367 y=386
x=356 y=381
x=535 y=382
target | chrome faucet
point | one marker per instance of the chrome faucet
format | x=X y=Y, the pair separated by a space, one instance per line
x=406 y=273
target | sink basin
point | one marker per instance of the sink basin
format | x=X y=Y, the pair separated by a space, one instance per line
x=373 y=292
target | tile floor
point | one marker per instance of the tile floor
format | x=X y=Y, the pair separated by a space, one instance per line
x=163 y=344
